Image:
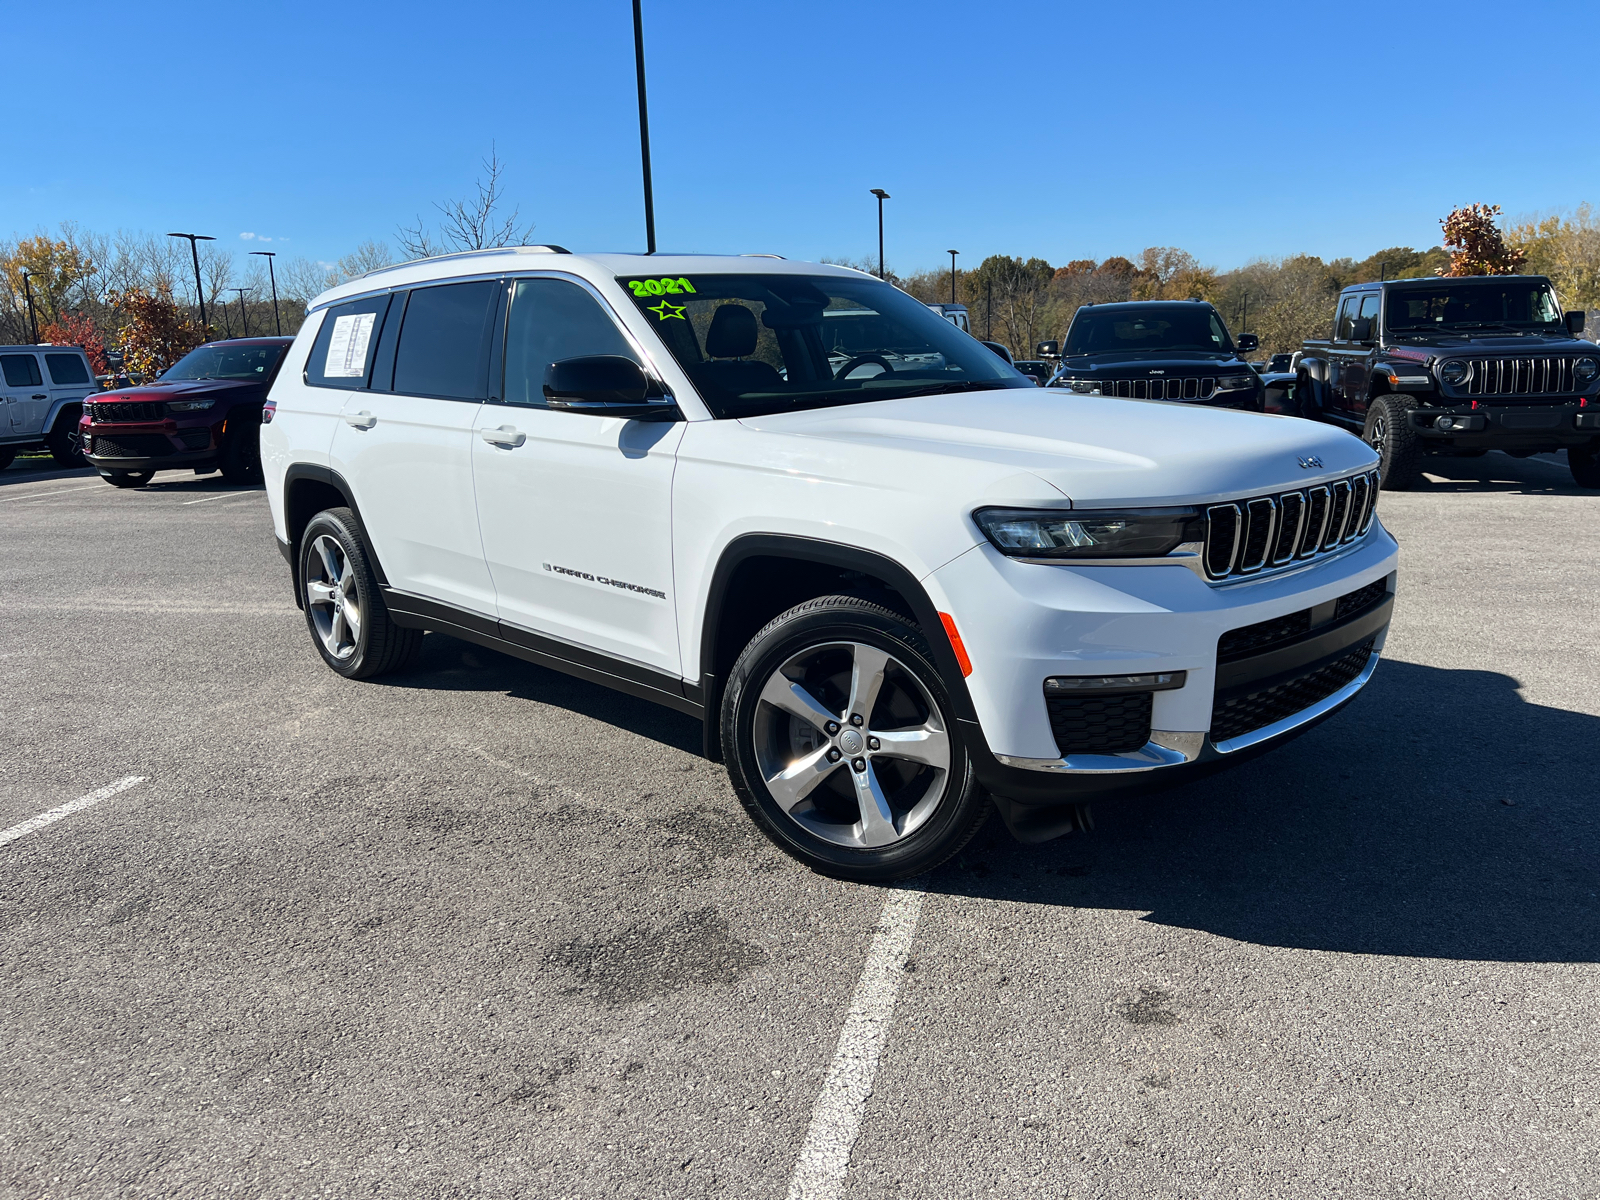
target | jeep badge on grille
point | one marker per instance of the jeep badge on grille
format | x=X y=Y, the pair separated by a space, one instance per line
x=1310 y=461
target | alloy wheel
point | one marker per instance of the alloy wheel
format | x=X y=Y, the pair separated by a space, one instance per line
x=1380 y=433
x=851 y=745
x=332 y=597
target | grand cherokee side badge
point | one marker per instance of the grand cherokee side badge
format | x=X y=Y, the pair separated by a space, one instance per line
x=1310 y=461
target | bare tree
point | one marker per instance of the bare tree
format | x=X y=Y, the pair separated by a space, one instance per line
x=470 y=224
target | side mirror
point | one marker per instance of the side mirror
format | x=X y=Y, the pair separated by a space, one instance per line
x=607 y=385
x=1576 y=320
x=1361 y=330
x=1247 y=342
x=1049 y=350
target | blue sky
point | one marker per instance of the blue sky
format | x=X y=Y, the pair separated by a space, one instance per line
x=1062 y=130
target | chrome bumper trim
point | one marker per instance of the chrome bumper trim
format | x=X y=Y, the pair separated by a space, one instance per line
x=1172 y=749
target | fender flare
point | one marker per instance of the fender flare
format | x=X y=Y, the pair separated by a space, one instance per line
x=55 y=413
x=831 y=554
x=331 y=478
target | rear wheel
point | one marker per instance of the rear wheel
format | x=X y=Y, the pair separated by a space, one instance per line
x=840 y=741
x=7 y=456
x=127 y=479
x=349 y=622
x=1584 y=463
x=65 y=442
x=1389 y=432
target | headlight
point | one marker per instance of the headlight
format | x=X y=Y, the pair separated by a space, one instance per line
x=1454 y=372
x=1234 y=383
x=1586 y=369
x=1057 y=533
x=188 y=405
x=1082 y=386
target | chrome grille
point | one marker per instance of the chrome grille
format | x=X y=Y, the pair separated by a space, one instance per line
x=127 y=410
x=1184 y=388
x=1271 y=531
x=1518 y=377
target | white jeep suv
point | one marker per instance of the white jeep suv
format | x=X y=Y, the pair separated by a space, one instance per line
x=893 y=577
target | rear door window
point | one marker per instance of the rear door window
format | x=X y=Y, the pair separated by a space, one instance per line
x=444 y=341
x=66 y=369
x=21 y=370
x=552 y=319
x=342 y=355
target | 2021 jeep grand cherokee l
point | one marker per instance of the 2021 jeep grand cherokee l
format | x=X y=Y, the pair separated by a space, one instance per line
x=892 y=576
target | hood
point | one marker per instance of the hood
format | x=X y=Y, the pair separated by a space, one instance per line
x=1498 y=343
x=180 y=389
x=1095 y=450
x=1139 y=362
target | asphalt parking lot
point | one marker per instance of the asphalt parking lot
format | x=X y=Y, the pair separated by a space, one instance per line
x=484 y=930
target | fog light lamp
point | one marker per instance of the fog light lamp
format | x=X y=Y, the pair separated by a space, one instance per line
x=1159 y=681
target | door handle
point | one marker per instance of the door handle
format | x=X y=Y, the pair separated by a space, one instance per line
x=505 y=436
x=360 y=420
x=38 y=396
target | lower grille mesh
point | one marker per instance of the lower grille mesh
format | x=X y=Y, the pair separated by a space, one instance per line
x=148 y=445
x=1239 y=712
x=1100 y=724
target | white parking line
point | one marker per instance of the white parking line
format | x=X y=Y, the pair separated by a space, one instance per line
x=41 y=495
x=836 y=1116
x=66 y=810
x=224 y=496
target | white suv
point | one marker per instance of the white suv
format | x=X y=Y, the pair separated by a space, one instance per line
x=892 y=576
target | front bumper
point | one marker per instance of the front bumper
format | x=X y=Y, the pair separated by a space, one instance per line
x=161 y=446
x=1514 y=427
x=1023 y=623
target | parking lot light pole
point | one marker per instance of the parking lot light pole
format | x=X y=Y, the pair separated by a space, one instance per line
x=644 y=132
x=199 y=288
x=244 y=313
x=882 y=196
x=953 y=254
x=269 y=255
x=33 y=317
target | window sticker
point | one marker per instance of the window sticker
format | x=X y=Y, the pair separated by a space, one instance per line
x=347 y=348
x=659 y=287
x=668 y=309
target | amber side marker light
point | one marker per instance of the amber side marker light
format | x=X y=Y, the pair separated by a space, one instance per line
x=956 y=644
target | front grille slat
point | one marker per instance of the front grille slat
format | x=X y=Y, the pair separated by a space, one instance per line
x=1520 y=377
x=1273 y=531
x=112 y=411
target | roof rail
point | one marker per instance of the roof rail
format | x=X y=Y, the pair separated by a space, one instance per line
x=779 y=257
x=551 y=249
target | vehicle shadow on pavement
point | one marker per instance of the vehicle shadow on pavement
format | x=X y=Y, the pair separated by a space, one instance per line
x=1386 y=830
x=1497 y=472
x=449 y=664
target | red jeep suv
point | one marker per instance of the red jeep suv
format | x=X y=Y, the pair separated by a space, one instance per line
x=203 y=414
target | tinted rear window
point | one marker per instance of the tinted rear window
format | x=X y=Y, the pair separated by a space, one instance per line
x=342 y=355
x=67 y=368
x=21 y=370
x=444 y=341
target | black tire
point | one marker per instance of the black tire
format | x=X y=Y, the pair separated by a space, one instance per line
x=65 y=443
x=8 y=455
x=377 y=645
x=933 y=815
x=128 y=479
x=1584 y=463
x=1389 y=432
x=241 y=454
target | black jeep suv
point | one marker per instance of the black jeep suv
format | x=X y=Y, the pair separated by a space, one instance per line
x=1178 y=350
x=1457 y=367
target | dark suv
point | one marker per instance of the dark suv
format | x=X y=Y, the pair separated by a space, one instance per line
x=203 y=414
x=1178 y=350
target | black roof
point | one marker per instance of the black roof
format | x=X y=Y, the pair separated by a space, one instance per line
x=1433 y=280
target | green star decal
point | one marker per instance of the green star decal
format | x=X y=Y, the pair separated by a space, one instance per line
x=668 y=309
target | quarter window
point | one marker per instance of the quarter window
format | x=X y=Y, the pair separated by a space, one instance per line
x=552 y=319
x=21 y=370
x=342 y=355
x=66 y=369
x=444 y=341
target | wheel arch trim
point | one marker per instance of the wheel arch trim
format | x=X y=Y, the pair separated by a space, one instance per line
x=315 y=473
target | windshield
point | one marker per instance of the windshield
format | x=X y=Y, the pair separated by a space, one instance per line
x=1168 y=327
x=226 y=362
x=1523 y=304
x=755 y=344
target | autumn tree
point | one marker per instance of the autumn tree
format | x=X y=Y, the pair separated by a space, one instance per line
x=1565 y=247
x=75 y=329
x=157 y=332
x=1476 y=246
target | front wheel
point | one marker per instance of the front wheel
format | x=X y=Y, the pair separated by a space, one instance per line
x=66 y=442
x=241 y=455
x=349 y=622
x=1584 y=463
x=840 y=741
x=1389 y=432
